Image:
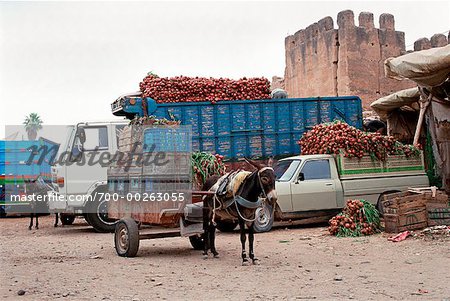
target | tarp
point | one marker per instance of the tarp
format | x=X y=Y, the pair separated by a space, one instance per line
x=384 y=105
x=428 y=68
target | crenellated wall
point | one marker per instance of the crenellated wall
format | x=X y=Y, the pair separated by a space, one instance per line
x=437 y=40
x=311 y=55
x=322 y=60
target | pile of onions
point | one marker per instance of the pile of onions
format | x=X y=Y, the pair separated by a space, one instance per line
x=194 y=89
x=358 y=218
x=332 y=138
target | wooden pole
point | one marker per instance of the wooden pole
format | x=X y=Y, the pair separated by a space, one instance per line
x=423 y=107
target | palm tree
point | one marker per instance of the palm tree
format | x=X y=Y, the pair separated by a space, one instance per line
x=33 y=124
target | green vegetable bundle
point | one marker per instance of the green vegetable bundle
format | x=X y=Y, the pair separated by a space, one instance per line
x=205 y=165
x=153 y=120
x=359 y=217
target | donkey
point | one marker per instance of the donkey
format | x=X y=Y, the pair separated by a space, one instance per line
x=38 y=189
x=241 y=206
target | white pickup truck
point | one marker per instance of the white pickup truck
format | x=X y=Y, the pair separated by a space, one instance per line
x=316 y=185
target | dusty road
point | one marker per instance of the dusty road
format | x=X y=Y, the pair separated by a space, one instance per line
x=74 y=263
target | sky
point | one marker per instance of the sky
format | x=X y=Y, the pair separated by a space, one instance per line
x=68 y=61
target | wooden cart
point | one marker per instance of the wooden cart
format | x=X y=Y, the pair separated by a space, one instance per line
x=150 y=220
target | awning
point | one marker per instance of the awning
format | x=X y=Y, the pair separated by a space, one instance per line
x=384 y=105
x=428 y=68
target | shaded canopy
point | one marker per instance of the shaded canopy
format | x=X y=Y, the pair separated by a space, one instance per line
x=428 y=68
x=384 y=105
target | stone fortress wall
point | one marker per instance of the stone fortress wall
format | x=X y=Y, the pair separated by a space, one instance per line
x=322 y=60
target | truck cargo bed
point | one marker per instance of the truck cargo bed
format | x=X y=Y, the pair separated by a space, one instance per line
x=251 y=128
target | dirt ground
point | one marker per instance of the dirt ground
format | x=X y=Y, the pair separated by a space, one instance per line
x=297 y=263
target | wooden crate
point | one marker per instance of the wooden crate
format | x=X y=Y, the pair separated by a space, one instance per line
x=431 y=206
x=404 y=201
x=438 y=214
x=413 y=219
x=441 y=197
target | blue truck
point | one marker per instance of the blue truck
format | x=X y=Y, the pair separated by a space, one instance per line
x=252 y=128
x=19 y=161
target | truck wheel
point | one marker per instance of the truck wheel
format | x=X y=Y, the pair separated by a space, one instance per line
x=197 y=242
x=264 y=219
x=379 y=205
x=226 y=226
x=126 y=237
x=67 y=219
x=97 y=216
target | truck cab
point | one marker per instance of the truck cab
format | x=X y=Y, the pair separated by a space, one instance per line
x=307 y=183
x=80 y=173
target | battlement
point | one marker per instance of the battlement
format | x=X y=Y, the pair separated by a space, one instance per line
x=322 y=60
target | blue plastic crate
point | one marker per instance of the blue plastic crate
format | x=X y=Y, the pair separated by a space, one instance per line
x=175 y=139
x=251 y=128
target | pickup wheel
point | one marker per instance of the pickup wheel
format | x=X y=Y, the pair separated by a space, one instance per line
x=97 y=216
x=264 y=219
x=379 y=206
x=67 y=219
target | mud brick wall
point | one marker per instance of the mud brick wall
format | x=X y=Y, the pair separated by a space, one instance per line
x=322 y=60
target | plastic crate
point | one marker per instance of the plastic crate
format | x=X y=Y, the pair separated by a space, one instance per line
x=251 y=128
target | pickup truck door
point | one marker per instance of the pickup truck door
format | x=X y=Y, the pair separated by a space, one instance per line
x=285 y=171
x=317 y=190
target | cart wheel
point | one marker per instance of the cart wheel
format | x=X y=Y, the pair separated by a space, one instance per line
x=126 y=237
x=197 y=242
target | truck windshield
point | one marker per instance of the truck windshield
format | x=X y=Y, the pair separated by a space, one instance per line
x=284 y=170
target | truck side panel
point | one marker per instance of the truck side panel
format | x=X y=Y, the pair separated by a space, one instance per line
x=371 y=188
x=251 y=128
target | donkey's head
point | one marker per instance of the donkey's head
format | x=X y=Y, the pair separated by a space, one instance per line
x=266 y=176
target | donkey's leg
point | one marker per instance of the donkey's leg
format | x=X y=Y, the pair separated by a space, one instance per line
x=37 y=220
x=31 y=221
x=212 y=237
x=208 y=240
x=251 y=239
x=243 y=239
x=56 y=220
x=206 y=225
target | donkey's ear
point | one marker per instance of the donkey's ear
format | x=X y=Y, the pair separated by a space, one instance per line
x=253 y=163
x=270 y=162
